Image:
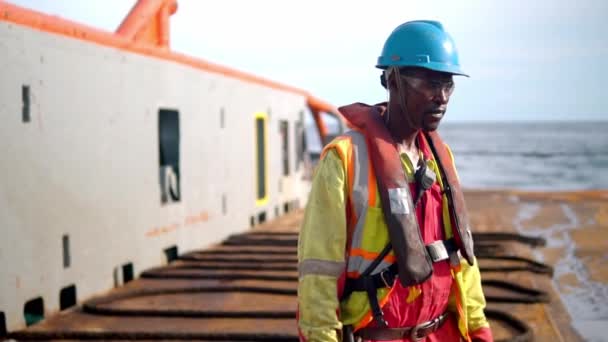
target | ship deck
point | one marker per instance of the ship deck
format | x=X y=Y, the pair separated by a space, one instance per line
x=244 y=288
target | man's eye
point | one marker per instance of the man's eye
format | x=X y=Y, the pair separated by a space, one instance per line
x=441 y=84
x=436 y=84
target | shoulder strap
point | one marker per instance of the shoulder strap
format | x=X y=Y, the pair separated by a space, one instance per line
x=456 y=203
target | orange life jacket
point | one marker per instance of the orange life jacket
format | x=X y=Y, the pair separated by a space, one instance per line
x=413 y=260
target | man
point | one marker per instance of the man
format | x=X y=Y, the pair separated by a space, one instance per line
x=385 y=252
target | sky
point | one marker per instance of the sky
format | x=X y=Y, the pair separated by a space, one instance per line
x=528 y=60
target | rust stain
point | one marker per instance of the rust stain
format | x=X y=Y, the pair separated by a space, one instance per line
x=191 y=220
x=203 y=216
x=602 y=216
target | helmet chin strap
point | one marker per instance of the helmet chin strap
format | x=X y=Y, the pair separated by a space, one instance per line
x=387 y=116
x=401 y=96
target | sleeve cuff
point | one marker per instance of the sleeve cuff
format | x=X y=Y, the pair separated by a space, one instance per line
x=482 y=335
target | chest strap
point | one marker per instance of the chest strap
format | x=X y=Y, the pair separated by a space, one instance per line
x=438 y=251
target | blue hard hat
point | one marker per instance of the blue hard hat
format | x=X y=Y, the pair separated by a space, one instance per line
x=423 y=44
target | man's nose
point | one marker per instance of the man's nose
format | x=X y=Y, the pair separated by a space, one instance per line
x=442 y=96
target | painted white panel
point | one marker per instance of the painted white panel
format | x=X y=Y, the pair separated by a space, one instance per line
x=87 y=164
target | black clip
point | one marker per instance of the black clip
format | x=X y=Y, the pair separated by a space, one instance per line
x=425 y=177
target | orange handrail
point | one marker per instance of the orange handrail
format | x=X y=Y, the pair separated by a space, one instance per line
x=148 y=22
x=321 y=105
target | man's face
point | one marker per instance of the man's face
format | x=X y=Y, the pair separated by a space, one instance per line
x=427 y=94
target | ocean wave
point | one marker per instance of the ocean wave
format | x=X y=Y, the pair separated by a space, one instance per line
x=534 y=154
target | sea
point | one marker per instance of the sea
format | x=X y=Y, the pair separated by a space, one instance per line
x=543 y=156
x=547 y=156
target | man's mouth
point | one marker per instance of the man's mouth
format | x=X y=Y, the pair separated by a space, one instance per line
x=436 y=114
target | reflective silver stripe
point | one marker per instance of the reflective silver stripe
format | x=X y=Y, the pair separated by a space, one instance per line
x=400 y=200
x=360 y=191
x=437 y=251
x=360 y=186
x=359 y=264
x=321 y=267
x=360 y=195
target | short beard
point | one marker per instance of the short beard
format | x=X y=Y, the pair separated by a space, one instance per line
x=426 y=127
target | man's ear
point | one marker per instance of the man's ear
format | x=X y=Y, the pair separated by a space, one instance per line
x=383 y=80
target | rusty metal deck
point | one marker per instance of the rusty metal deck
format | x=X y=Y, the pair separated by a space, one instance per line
x=244 y=289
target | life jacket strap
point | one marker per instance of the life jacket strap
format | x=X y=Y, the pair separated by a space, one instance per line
x=385 y=278
x=439 y=250
x=371 y=289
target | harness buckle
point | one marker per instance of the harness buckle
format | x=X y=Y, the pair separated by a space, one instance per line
x=414 y=334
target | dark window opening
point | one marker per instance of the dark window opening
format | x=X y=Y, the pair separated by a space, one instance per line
x=251 y=221
x=284 y=131
x=168 y=147
x=116 y=276
x=171 y=254
x=65 y=242
x=127 y=272
x=300 y=144
x=25 y=99
x=260 y=124
x=286 y=207
x=67 y=297
x=3 y=330
x=262 y=217
x=33 y=311
x=276 y=211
